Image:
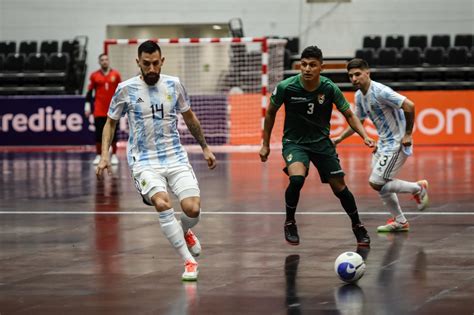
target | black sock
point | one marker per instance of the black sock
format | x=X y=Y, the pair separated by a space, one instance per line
x=292 y=196
x=349 y=205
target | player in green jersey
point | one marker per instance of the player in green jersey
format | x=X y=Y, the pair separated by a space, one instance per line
x=308 y=99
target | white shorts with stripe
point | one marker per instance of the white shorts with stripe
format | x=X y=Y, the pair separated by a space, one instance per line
x=181 y=180
x=385 y=166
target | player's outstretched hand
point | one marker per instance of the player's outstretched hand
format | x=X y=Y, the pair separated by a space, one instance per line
x=264 y=153
x=210 y=158
x=103 y=164
x=369 y=142
x=336 y=141
x=407 y=140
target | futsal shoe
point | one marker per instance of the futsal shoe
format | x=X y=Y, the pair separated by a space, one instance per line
x=193 y=243
x=394 y=226
x=421 y=197
x=96 y=160
x=190 y=271
x=363 y=251
x=291 y=233
x=114 y=160
x=361 y=235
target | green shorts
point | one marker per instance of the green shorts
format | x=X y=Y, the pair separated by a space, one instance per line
x=327 y=164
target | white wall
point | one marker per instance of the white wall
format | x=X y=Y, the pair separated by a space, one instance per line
x=337 y=28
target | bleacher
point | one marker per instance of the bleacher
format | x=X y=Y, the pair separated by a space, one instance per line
x=46 y=67
x=413 y=63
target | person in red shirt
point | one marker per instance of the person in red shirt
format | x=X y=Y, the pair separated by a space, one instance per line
x=103 y=83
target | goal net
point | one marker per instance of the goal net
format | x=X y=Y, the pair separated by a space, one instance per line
x=228 y=80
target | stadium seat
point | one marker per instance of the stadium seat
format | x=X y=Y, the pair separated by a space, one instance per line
x=368 y=54
x=420 y=41
x=439 y=40
x=374 y=41
x=7 y=47
x=395 y=41
x=57 y=69
x=466 y=40
x=34 y=66
x=28 y=47
x=49 y=46
x=410 y=58
x=434 y=57
x=457 y=57
x=70 y=47
x=387 y=58
x=14 y=64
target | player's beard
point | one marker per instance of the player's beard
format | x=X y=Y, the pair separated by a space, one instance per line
x=151 y=78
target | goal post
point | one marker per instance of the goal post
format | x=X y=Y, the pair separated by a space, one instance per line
x=228 y=80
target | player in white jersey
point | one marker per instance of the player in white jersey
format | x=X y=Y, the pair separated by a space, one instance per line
x=393 y=116
x=155 y=155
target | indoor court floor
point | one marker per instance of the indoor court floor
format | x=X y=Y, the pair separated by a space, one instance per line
x=72 y=245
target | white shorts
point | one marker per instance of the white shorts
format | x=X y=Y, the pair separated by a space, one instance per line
x=385 y=166
x=181 y=180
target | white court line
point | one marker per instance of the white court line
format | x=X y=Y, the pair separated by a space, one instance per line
x=231 y=213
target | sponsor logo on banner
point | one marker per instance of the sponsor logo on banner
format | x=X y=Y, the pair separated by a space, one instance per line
x=45 y=119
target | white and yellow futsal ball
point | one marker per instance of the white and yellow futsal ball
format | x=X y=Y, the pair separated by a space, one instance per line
x=349 y=267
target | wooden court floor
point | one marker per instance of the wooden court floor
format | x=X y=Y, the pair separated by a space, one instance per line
x=72 y=245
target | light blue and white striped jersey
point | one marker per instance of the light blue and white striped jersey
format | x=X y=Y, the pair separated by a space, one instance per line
x=383 y=106
x=152 y=117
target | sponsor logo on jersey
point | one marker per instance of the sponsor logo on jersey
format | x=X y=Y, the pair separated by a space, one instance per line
x=296 y=98
x=140 y=100
x=274 y=91
x=321 y=99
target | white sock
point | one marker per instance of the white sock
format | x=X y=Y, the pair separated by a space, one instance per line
x=390 y=200
x=400 y=186
x=188 y=222
x=174 y=233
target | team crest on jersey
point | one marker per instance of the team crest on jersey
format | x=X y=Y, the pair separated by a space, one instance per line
x=289 y=157
x=143 y=183
x=321 y=99
x=112 y=79
x=169 y=98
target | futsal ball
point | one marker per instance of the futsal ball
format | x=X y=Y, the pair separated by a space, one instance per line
x=349 y=267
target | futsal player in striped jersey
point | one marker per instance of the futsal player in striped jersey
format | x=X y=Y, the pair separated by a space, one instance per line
x=152 y=102
x=393 y=116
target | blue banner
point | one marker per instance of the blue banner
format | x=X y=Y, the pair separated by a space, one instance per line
x=60 y=120
x=44 y=120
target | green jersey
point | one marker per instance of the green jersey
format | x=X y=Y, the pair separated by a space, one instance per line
x=308 y=114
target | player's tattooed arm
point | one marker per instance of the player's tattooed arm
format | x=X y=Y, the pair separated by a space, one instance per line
x=194 y=127
x=409 y=111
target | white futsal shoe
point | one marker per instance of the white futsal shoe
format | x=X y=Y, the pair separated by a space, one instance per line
x=114 y=159
x=96 y=160
x=421 y=197
x=190 y=271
